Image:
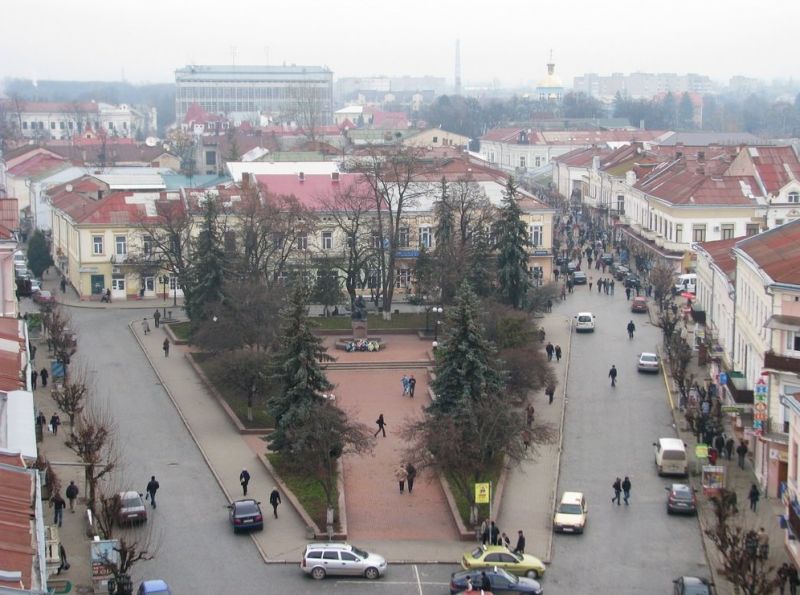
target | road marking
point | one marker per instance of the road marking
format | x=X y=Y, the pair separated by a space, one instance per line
x=419 y=582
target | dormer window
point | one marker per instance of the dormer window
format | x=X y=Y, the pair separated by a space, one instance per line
x=794 y=197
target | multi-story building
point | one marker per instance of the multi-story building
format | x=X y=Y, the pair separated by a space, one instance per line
x=247 y=92
x=641 y=84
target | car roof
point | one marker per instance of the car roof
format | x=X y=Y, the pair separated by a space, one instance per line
x=672 y=443
x=329 y=546
x=680 y=487
x=643 y=353
x=639 y=298
x=572 y=497
x=155 y=583
x=585 y=314
x=129 y=494
x=694 y=580
x=245 y=501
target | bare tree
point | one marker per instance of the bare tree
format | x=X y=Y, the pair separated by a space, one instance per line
x=305 y=106
x=92 y=439
x=662 y=280
x=71 y=397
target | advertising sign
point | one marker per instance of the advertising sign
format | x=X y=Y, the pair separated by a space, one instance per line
x=482 y=493
x=760 y=413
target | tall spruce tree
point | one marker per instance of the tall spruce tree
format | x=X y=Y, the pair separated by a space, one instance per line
x=39 y=258
x=298 y=370
x=465 y=368
x=444 y=251
x=512 y=259
x=207 y=274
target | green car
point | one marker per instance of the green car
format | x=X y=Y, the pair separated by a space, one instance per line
x=501 y=557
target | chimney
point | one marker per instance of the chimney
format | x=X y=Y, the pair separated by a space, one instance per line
x=246 y=181
x=678 y=150
x=334 y=176
x=701 y=156
x=301 y=177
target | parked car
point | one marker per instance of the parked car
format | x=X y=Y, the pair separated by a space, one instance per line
x=579 y=278
x=692 y=585
x=584 y=322
x=337 y=559
x=639 y=305
x=648 y=362
x=621 y=271
x=501 y=580
x=246 y=514
x=154 y=587
x=572 y=267
x=681 y=499
x=632 y=281
x=501 y=557
x=130 y=508
x=607 y=258
x=571 y=513
x=43 y=297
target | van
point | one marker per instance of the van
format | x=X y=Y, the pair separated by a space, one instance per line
x=687 y=282
x=20 y=259
x=671 y=457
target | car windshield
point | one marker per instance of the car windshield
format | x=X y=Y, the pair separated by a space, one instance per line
x=649 y=357
x=246 y=508
x=682 y=492
x=570 y=509
x=584 y=318
x=477 y=552
x=695 y=590
x=359 y=553
x=131 y=502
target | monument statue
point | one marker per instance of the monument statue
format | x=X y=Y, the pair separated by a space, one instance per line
x=359 y=309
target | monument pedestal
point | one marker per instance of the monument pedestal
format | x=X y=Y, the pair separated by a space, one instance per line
x=359 y=329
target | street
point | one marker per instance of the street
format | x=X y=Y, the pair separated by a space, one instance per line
x=609 y=433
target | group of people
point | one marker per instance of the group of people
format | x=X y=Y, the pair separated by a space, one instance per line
x=553 y=351
x=274 y=496
x=621 y=487
x=53 y=425
x=409 y=385
x=405 y=473
x=36 y=376
x=491 y=535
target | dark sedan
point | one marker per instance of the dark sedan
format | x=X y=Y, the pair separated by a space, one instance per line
x=246 y=515
x=639 y=305
x=579 y=278
x=692 y=585
x=501 y=581
x=633 y=282
x=681 y=499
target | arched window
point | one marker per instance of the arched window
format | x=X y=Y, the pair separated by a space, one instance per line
x=794 y=197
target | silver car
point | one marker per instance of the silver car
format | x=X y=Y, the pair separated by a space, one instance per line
x=340 y=559
x=649 y=362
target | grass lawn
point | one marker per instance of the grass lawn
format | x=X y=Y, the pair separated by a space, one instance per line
x=308 y=491
x=463 y=504
x=236 y=400
x=375 y=322
x=181 y=330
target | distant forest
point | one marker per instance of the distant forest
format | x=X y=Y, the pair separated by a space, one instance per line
x=161 y=96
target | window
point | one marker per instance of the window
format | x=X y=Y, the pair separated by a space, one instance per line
x=522 y=162
x=302 y=241
x=330 y=556
x=211 y=157
x=620 y=203
x=121 y=245
x=173 y=283
x=70 y=124
x=61 y=125
x=147 y=245
x=537 y=233
x=794 y=197
x=327 y=240
x=792 y=341
x=402 y=277
x=347 y=556
x=538 y=162
x=435 y=139
x=376 y=240
x=425 y=237
x=491 y=157
x=25 y=125
x=402 y=238
x=727 y=231
x=698 y=233
x=111 y=125
x=679 y=233
x=751 y=229
x=52 y=125
x=97 y=244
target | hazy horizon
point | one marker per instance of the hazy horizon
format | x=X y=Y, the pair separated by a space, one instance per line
x=508 y=41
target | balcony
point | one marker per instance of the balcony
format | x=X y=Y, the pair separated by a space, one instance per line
x=781 y=363
x=737 y=386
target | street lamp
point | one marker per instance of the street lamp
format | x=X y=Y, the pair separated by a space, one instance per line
x=438 y=311
x=164 y=280
x=175 y=294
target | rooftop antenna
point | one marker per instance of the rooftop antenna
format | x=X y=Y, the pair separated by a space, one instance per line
x=458 y=67
x=233 y=55
x=266 y=55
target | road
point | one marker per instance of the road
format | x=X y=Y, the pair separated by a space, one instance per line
x=609 y=433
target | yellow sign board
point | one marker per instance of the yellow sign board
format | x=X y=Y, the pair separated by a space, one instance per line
x=482 y=493
x=701 y=451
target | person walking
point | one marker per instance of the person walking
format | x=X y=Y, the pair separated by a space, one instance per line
x=381 y=425
x=72 y=494
x=631 y=328
x=612 y=373
x=558 y=353
x=600 y=283
x=412 y=384
x=41 y=421
x=590 y=282
x=763 y=543
x=165 y=347
x=411 y=475
x=63 y=284
x=44 y=375
x=529 y=415
x=156 y=317
x=617 y=487
x=505 y=540
x=404 y=382
x=626 y=489
x=485 y=536
x=753 y=495
x=627 y=293
x=719 y=444
x=400 y=474
x=783 y=577
x=520 y=547
x=486 y=583
x=741 y=450
x=58 y=507
x=729 y=448
x=34 y=378
x=152 y=488
x=794 y=580
x=612 y=286
x=244 y=479
x=145 y=326
x=494 y=534
x=274 y=500
x=549 y=349
x=55 y=421
x=550 y=391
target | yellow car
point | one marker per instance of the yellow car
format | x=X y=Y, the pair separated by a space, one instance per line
x=502 y=557
x=571 y=513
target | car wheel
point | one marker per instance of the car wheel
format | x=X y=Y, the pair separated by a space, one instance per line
x=372 y=573
x=532 y=574
x=318 y=573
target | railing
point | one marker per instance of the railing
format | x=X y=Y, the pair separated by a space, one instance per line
x=773 y=361
x=737 y=386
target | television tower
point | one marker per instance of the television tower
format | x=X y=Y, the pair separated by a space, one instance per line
x=458 y=67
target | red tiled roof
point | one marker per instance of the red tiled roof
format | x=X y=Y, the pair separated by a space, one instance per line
x=776 y=252
x=502 y=135
x=582 y=157
x=198 y=115
x=720 y=252
x=389 y=120
x=17 y=515
x=36 y=165
x=115 y=152
x=114 y=209
x=11 y=358
x=314 y=190
x=51 y=107
x=776 y=166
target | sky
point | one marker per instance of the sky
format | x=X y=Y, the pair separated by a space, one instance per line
x=504 y=40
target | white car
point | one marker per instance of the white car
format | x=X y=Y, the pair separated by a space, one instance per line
x=649 y=362
x=338 y=559
x=584 y=322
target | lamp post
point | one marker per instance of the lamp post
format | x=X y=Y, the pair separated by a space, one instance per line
x=438 y=311
x=164 y=280
x=175 y=294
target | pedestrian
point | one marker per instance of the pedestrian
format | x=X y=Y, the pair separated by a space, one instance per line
x=719 y=443
x=244 y=479
x=400 y=474
x=152 y=488
x=631 y=329
x=485 y=535
x=542 y=335
x=108 y=295
x=411 y=475
x=729 y=448
x=44 y=375
x=381 y=426
x=63 y=284
x=753 y=496
x=712 y=456
x=558 y=353
x=34 y=378
x=145 y=325
x=520 y=547
x=550 y=391
x=494 y=532
x=590 y=280
x=62 y=558
x=526 y=439
x=763 y=543
x=626 y=489
x=156 y=317
x=41 y=420
x=794 y=580
x=617 y=487
x=549 y=349
x=58 y=504
x=529 y=412
x=274 y=500
x=612 y=286
x=549 y=309
x=72 y=494
x=165 y=347
x=627 y=293
x=404 y=381
x=55 y=421
x=505 y=540
x=486 y=584
x=412 y=384
x=612 y=373
x=741 y=450
x=783 y=576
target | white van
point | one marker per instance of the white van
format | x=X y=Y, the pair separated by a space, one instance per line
x=671 y=457
x=687 y=282
x=20 y=259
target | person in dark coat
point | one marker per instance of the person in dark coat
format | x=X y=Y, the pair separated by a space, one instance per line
x=729 y=448
x=494 y=533
x=274 y=500
x=44 y=375
x=549 y=349
x=719 y=443
x=520 y=547
x=55 y=421
x=558 y=353
x=412 y=384
x=152 y=488
x=741 y=450
x=617 y=487
x=381 y=425
x=41 y=420
x=58 y=506
x=550 y=391
x=244 y=479
x=626 y=489
x=411 y=475
x=486 y=584
x=165 y=347
x=72 y=495
x=753 y=495
x=34 y=378
x=156 y=317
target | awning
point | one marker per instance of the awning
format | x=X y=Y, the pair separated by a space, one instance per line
x=781 y=322
x=650 y=245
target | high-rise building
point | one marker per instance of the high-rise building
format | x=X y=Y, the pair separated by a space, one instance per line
x=251 y=91
x=641 y=84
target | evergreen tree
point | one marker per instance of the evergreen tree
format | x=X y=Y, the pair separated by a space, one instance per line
x=426 y=287
x=299 y=372
x=39 y=258
x=207 y=275
x=444 y=252
x=466 y=372
x=327 y=289
x=512 y=259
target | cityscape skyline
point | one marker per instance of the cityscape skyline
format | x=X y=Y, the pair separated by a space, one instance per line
x=509 y=44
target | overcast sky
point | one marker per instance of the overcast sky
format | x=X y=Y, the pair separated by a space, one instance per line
x=508 y=40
